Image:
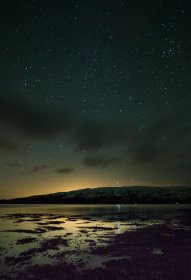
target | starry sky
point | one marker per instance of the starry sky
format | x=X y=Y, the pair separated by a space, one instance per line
x=94 y=93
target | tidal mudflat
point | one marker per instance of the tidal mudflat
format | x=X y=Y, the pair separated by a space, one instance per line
x=95 y=242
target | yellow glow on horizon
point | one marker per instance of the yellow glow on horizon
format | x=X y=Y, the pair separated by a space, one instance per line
x=58 y=184
x=38 y=185
x=74 y=184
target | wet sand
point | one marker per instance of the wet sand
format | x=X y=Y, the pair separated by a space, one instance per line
x=130 y=243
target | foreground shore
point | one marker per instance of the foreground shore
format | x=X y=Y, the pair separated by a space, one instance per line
x=103 y=243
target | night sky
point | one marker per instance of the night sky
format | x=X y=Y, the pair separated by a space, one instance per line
x=94 y=93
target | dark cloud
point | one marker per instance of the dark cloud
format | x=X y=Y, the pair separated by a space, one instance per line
x=93 y=136
x=99 y=161
x=7 y=146
x=13 y=164
x=39 y=168
x=44 y=167
x=33 y=121
x=166 y=137
x=64 y=170
x=163 y=139
x=146 y=152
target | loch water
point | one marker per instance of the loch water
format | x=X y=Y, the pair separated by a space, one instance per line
x=95 y=242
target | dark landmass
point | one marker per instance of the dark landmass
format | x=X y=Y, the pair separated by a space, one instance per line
x=111 y=195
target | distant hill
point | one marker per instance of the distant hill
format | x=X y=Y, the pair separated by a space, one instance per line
x=111 y=195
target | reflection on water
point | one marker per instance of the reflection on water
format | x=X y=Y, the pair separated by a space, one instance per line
x=104 y=241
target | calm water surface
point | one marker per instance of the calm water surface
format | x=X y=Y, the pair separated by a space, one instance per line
x=95 y=241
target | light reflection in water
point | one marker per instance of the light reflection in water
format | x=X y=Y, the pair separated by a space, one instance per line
x=83 y=228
